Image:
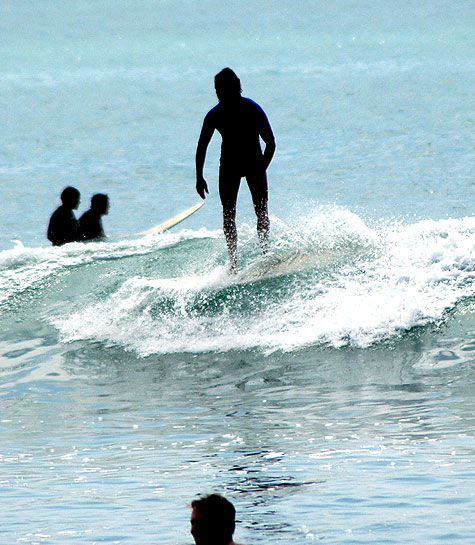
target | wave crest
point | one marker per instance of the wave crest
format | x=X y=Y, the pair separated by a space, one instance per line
x=329 y=279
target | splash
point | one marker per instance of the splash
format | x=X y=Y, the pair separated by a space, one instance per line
x=329 y=279
x=23 y=268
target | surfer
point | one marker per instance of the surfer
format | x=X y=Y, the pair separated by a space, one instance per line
x=241 y=122
x=90 y=223
x=213 y=520
x=63 y=226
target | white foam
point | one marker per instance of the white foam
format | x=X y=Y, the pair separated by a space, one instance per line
x=23 y=267
x=408 y=276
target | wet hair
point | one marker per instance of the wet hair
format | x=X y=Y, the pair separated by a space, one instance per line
x=219 y=514
x=227 y=84
x=99 y=202
x=70 y=196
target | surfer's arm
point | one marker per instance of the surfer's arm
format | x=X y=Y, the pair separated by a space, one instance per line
x=265 y=132
x=268 y=152
x=203 y=141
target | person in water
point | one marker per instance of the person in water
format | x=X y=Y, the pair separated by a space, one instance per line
x=90 y=223
x=241 y=123
x=213 y=520
x=63 y=226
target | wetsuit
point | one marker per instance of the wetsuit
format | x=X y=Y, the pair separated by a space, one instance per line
x=240 y=122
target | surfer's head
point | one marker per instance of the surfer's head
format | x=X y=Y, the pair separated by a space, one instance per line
x=100 y=203
x=212 y=520
x=70 y=197
x=227 y=85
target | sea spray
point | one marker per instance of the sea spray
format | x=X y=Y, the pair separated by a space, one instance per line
x=353 y=285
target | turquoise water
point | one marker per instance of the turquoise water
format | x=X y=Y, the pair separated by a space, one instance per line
x=328 y=390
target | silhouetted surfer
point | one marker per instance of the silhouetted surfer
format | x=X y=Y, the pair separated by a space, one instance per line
x=90 y=223
x=213 y=520
x=63 y=226
x=241 y=122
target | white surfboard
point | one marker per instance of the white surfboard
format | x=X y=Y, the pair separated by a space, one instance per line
x=171 y=222
x=266 y=268
x=196 y=282
x=185 y=282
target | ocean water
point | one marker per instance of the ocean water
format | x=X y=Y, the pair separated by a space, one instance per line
x=328 y=389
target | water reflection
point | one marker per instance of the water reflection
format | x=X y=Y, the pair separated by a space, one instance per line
x=345 y=432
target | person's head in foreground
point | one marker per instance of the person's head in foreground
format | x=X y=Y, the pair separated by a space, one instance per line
x=212 y=520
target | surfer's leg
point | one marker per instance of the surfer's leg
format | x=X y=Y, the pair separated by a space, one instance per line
x=258 y=187
x=228 y=191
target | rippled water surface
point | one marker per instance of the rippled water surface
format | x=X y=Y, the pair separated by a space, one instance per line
x=345 y=447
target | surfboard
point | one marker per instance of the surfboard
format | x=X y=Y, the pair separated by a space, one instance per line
x=163 y=226
x=263 y=269
x=171 y=222
x=185 y=282
x=196 y=282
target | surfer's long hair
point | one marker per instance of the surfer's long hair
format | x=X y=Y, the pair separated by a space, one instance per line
x=227 y=84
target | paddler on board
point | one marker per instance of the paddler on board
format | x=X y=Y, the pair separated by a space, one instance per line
x=63 y=226
x=241 y=123
x=90 y=223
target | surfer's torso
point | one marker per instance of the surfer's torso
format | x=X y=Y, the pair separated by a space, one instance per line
x=240 y=122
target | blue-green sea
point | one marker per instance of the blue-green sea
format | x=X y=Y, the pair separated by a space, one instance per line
x=328 y=390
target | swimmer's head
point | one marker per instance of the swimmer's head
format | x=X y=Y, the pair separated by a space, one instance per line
x=100 y=203
x=70 y=197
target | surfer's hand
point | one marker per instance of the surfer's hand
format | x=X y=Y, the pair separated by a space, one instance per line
x=201 y=187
